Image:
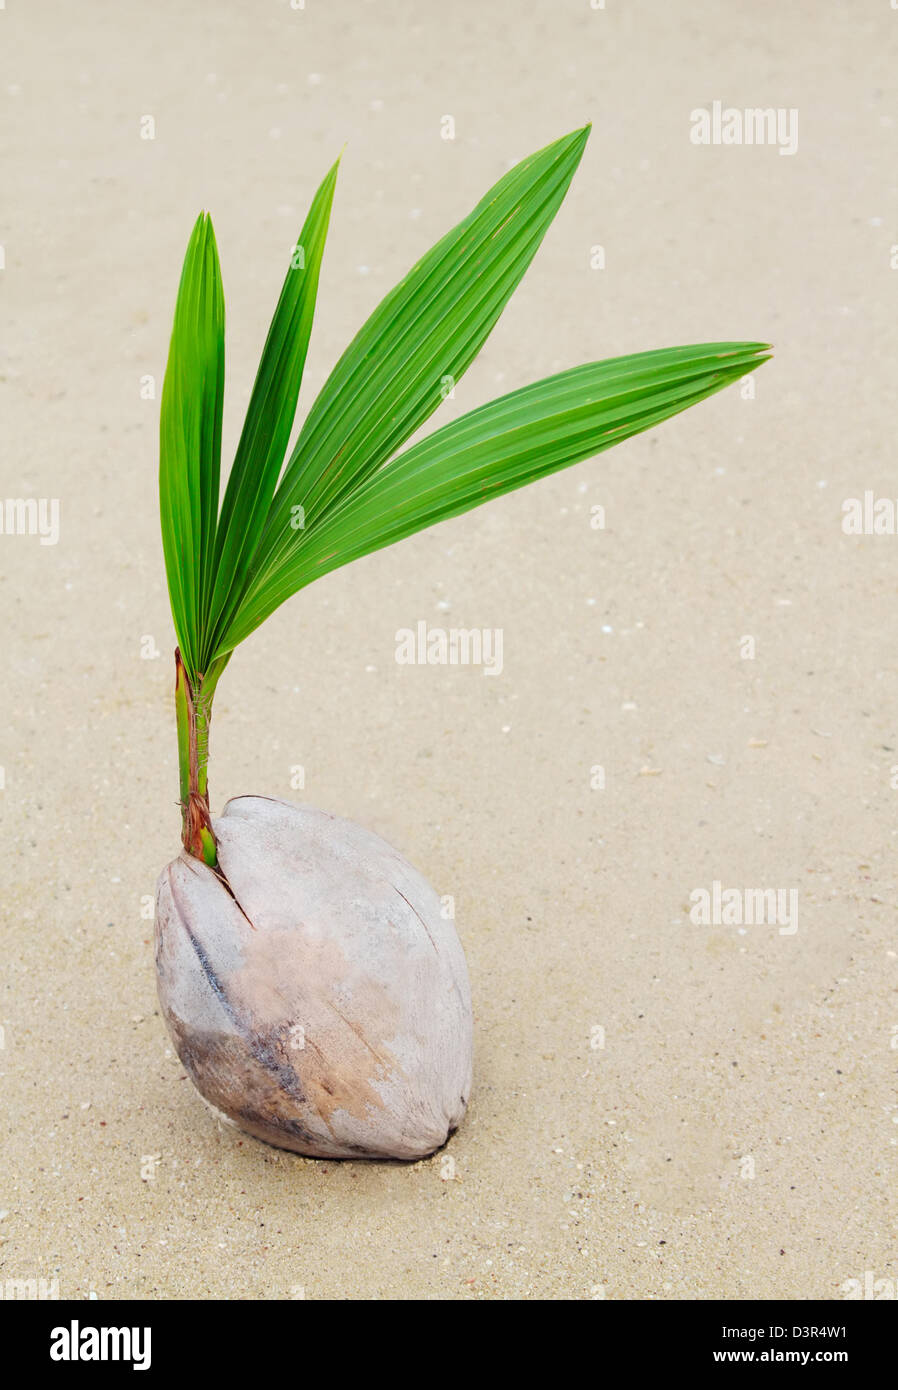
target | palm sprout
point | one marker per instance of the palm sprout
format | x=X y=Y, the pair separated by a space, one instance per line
x=346 y=489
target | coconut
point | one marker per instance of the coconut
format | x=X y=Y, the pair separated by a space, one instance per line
x=313 y=987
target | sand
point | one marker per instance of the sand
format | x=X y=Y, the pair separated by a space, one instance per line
x=662 y=1110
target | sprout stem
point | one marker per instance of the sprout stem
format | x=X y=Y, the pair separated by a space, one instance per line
x=193 y=707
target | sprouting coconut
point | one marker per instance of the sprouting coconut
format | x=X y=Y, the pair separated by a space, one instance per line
x=312 y=984
x=320 y=999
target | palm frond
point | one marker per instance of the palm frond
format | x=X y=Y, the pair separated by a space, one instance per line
x=190 y=440
x=353 y=489
x=419 y=341
x=269 y=417
x=512 y=441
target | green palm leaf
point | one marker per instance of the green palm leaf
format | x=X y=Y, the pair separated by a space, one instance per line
x=190 y=440
x=269 y=417
x=501 y=446
x=425 y=333
x=355 y=492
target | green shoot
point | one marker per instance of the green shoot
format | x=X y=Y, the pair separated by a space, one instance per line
x=346 y=490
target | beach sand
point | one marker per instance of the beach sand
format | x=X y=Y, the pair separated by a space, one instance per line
x=661 y=1110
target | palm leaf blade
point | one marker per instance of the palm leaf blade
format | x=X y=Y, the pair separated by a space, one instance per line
x=190 y=438
x=425 y=332
x=269 y=417
x=501 y=446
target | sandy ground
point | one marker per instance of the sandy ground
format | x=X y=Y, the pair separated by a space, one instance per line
x=662 y=1110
